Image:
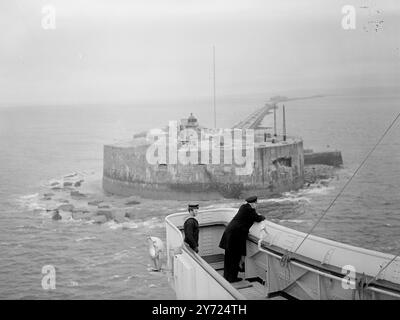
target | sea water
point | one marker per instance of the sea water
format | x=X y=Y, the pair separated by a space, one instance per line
x=43 y=145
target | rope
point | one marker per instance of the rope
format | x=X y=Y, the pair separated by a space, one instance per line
x=380 y=271
x=361 y=286
x=285 y=263
x=348 y=182
x=285 y=260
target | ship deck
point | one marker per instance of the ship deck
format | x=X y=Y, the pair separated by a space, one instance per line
x=252 y=289
x=313 y=273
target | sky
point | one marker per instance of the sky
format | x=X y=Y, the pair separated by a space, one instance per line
x=127 y=51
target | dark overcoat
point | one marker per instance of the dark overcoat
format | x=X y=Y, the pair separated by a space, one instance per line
x=191 y=230
x=235 y=235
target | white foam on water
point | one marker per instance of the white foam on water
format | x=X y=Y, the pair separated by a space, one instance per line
x=129 y=278
x=149 y=224
x=73 y=284
x=320 y=190
x=46 y=214
x=129 y=225
x=221 y=205
x=120 y=255
x=66 y=215
x=154 y=223
x=30 y=202
x=286 y=198
x=157 y=225
x=85 y=239
x=71 y=175
x=315 y=189
x=30 y=196
x=293 y=221
x=113 y=225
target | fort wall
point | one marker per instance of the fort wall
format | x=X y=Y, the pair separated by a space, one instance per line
x=277 y=167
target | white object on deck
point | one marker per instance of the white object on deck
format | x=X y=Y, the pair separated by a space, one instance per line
x=156 y=249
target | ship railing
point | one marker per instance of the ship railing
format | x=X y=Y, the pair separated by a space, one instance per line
x=191 y=273
x=322 y=257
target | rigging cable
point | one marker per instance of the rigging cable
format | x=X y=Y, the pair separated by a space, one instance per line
x=380 y=271
x=348 y=182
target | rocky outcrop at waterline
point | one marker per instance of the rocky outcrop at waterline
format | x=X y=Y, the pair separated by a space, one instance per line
x=67 y=199
x=77 y=202
x=319 y=173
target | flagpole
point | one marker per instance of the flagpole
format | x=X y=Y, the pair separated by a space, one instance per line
x=215 y=105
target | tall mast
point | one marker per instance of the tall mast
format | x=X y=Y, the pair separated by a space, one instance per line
x=274 y=120
x=284 y=124
x=215 y=110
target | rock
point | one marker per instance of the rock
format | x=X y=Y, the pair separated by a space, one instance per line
x=119 y=216
x=83 y=210
x=120 y=219
x=325 y=183
x=77 y=194
x=71 y=175
x=77 y=184
x=66 y=215
x=103 y=206
x=99 y=219
x=314 y=173
x=130 y=215
x=94 y=202
x=132 y=203
x=66 y=207
x=56 y=216
x=48 y=194
x=67 y=184
x=78 y=215
x=54 y=184
x=88 y=215
x=81 y=213
x=63 y=201
x=56 y=188
x=107 y=213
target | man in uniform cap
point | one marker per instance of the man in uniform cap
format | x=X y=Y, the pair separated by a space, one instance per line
x=191 y=228
x=251 y=199
x=234 y=238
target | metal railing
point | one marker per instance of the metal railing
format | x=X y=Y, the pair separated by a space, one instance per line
x=176 y=246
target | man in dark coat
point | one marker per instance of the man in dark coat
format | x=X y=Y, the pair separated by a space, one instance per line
x=234 y=238
x=191 y=228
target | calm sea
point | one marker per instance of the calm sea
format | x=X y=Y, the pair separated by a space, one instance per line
x=41 y=145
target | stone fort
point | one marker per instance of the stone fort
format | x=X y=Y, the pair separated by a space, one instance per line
x=277 y=163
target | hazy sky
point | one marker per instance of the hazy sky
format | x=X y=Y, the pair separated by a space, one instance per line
x=123 y=51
